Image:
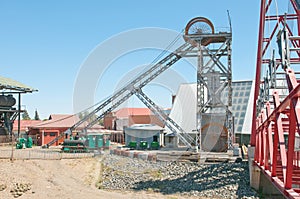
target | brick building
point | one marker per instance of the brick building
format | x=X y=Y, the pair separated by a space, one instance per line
x=45 y=131
x=126 y=117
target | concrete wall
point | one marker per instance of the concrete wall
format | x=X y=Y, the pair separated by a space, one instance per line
x=122 y=123
x=259 y=181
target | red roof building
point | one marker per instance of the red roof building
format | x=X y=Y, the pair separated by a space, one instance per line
x=24 y=125
x=45 y=131
x=126 y=117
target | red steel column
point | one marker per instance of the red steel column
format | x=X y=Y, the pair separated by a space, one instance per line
x=265 y=141
x=258 y=66
x=270 y=138
x=280 y=137
x=291 y=144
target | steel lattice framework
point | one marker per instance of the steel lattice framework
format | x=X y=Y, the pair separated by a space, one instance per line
x=214 y=75
x=199 y=34
x=276 y=111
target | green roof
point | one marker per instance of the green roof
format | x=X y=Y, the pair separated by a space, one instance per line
x=10 y=84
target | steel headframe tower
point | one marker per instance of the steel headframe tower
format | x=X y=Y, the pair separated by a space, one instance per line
x=276 y=113
x=213 y=51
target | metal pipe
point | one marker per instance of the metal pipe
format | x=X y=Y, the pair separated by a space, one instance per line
x=19 y=115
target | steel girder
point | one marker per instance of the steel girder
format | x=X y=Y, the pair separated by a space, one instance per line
x=276 y=123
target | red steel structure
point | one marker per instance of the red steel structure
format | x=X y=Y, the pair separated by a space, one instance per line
x=276 y=124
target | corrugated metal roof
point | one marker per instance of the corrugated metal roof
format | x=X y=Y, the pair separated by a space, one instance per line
x=147 y=127
x=62 y=121
x=7 y=83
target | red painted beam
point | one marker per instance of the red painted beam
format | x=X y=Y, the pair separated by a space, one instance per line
x=258 y=67
x=282 y=107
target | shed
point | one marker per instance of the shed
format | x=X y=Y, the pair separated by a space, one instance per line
x=144 y=132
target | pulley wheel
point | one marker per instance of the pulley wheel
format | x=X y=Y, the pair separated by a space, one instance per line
x=198 y=26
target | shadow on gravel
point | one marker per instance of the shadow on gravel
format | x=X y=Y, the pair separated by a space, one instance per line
x=215 y=180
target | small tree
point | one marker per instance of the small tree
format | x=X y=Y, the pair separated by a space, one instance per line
x=36 y=115
x=101 y=122
x=25 y=115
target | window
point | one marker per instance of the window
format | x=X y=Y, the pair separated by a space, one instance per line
x=238 y=107
x=240 y=100
x=246 y=100
x=241 y=94
x=235 y=121
x=52 y=134
x=45 y=134
x=241 y=122
x=239 y=128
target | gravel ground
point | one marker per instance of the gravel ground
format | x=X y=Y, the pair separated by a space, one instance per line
x=223 y=180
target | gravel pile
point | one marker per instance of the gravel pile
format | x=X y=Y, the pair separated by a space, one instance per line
x=19 y=189
x=223 y=180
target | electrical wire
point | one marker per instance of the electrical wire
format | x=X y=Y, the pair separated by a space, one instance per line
x=145 y=69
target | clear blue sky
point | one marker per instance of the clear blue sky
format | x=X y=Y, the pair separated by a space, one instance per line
x=44 y=43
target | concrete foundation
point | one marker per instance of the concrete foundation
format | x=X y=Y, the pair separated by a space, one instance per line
x=259 y=181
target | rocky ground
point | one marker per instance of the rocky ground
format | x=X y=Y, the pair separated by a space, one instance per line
x=111 y=176
x=223 y=180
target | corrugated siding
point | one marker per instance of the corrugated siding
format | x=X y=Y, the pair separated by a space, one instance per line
x=184 y=109
x=7 y=83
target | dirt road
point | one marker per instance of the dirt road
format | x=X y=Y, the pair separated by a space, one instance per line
x=66 y=178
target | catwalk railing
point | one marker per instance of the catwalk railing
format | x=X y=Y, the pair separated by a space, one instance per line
x=276 y=152
x=276 y=109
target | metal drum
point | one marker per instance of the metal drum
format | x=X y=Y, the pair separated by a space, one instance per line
x=7 y=100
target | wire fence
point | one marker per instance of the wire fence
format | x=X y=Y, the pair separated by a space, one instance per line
x=24 y=154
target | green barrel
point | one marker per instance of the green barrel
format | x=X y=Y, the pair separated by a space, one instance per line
x=143 y=145
x=155 y=145
x=29 y=142
x=107 y=143
x=21 y=143
x=132 y=145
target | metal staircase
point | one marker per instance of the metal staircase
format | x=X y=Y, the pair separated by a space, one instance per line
x=171 y=124
x=128 y=90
